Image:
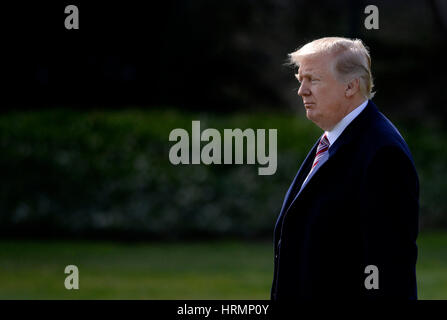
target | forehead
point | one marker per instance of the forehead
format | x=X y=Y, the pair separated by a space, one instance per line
x=311 y=65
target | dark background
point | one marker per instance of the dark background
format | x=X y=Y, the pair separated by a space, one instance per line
x=213 y=55
x=86 y=114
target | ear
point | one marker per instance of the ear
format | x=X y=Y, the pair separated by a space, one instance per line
x=352 y=88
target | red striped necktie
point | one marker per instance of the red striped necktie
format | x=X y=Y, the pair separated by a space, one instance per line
x=322 y=149
x=323 y=146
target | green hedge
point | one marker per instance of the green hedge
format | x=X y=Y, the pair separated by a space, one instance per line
x=108 y=172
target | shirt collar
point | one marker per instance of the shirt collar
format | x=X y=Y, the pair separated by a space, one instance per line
x=333 y=134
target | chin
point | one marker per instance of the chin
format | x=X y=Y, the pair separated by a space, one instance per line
x=314 y=119
x=310 y=115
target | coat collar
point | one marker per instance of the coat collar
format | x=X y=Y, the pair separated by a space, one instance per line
x=353 y=128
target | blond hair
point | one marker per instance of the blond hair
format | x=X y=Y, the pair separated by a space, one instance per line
x=351 y=60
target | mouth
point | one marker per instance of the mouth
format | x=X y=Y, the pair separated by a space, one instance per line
x=308 y=104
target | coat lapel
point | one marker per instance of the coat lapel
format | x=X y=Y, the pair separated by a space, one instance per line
x=298 y=180
x=345 y=138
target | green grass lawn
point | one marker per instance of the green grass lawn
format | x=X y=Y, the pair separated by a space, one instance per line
x=205 y=270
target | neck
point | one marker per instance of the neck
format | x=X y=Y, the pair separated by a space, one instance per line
x=357 y=101
x=347 y=109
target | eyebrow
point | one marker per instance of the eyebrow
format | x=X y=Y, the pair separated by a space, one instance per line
x=304 y=75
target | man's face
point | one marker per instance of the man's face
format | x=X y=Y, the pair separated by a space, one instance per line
x=323 y=95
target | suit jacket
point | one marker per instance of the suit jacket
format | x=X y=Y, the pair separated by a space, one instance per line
x=359 y=209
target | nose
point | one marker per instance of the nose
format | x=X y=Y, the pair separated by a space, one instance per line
x=303 y=90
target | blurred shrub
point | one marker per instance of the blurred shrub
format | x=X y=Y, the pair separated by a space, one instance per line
x=67 y=172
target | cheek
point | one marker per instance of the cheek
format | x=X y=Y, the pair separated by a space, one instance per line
x=323 y=95
x=331 y=94
x=322 y=91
